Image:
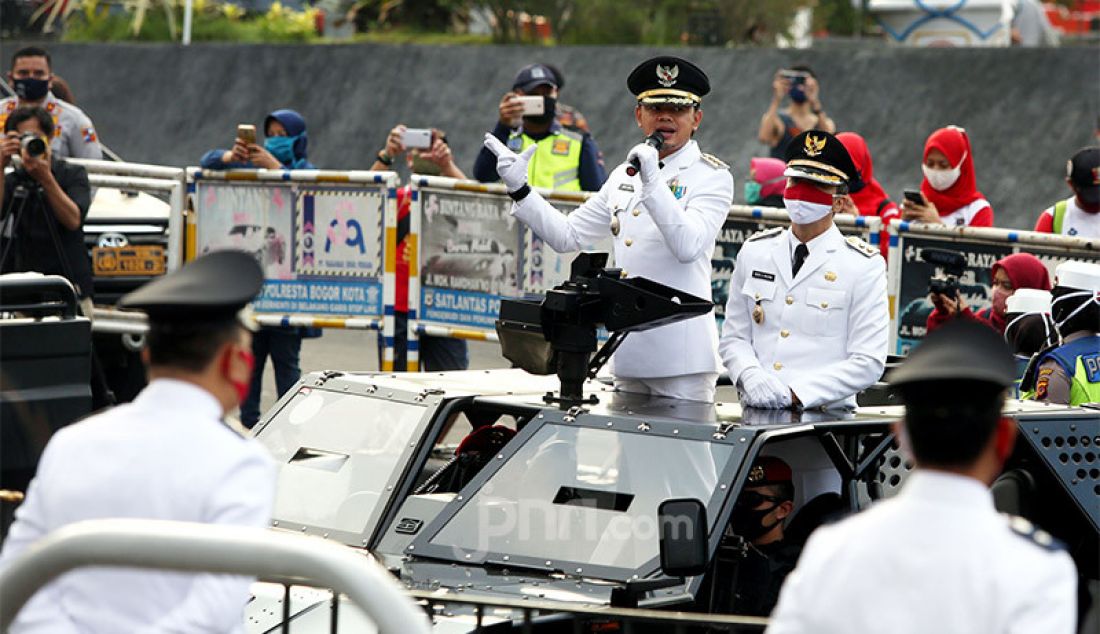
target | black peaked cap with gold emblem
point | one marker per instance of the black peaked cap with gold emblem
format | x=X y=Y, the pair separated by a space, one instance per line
x=668 y=80
x=214 y=287
x=818 y=156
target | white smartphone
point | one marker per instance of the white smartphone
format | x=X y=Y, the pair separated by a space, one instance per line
x=533 y=105
x=420 y=138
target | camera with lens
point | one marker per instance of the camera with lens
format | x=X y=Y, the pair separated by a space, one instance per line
x=953 y=264
x=32 y=144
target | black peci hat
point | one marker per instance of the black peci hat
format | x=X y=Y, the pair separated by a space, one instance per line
x=668 y=80
x=211 y=288
x=818 y=156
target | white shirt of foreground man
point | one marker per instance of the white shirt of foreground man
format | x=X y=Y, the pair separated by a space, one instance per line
x=663 y=220
x=167 y=456
x=814 y=337
x=938 y=557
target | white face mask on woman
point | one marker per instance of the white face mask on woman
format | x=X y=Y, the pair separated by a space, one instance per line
x=942 y=179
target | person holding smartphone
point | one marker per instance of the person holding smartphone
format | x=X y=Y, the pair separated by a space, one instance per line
x=804 y=111
x=432 y=158
x=949 y=192
x=285 y=147
x=565 y=160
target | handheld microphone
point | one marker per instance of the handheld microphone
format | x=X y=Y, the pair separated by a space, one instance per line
x=655 y=141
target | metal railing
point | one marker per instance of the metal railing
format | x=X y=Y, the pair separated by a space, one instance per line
x=190 y=547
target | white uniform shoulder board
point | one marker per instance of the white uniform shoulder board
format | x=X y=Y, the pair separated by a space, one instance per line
x=765 y=234
x=862 y=247
x=1033 y=533
x=714 y=162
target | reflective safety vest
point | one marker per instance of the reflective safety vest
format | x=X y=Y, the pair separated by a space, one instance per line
x=1081 y=361
x=557 y=161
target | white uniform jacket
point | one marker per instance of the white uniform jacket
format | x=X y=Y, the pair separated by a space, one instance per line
x=935 y=558
x=165 y=456
x=824 y=333
x=667 y=243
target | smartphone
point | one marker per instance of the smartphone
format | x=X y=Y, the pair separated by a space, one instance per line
x=796 y=77
x=420 y=138
x=246 y=133
x=914 y=196
x=533 y=105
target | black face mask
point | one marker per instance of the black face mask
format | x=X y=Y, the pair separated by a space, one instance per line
x=747 y=521
x=30 y=89
x=549 y=109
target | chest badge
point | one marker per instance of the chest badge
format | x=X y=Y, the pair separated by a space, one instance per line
x=830 y=276
x=758 y=313
x=677 y=189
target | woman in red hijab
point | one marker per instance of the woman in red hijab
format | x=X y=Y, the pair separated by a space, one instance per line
x=867 y=194
x=1019 y=270
x=949 y=190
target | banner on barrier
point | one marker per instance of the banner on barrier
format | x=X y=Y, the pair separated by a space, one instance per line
x=545 y=268
x=321 y=247
x=470 y=247
x=982 y=248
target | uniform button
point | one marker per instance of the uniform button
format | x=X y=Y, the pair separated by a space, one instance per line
x=790 y=300
x=824 y=304
x=777 y=365
x=637 y=212
x=757 y=296
x=628 y=242
x=784 y=333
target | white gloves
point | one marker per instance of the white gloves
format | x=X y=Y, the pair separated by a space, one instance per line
x=511 y=167
x=648 y=161
x=760 y=388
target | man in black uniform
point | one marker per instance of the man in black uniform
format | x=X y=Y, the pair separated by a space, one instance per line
x=44 y=206
x=758 y=515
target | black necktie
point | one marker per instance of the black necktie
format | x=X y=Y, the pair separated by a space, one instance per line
x=800 y=253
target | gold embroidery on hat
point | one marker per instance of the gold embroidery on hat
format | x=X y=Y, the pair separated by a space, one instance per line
x=814 y=145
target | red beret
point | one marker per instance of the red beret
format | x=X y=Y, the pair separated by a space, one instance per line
x=769 y=470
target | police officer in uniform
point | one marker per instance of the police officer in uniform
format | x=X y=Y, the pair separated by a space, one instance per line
x=168 y=455
x=807 y=317
x=1070 y=373
x=663 y=219
x=938 y=557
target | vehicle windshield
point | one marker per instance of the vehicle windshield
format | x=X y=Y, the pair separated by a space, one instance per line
x=575 y=494
x=337 y=454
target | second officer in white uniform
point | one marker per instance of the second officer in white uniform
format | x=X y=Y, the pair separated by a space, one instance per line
x=664 y=220
x=807 y=321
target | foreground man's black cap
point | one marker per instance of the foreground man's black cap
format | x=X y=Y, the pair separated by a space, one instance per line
x=963 y=351
x=213 y=287
x=668 y=80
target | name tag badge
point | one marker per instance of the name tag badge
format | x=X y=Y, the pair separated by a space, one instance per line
x=626 y=187
x=761 y=275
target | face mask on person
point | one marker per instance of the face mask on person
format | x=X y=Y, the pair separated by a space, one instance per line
x=942 y=179
x=281 y=147
x=798 y=95
x=754 y=190
x=30 y=89
x=549 y=109
x=805 y=203
x=240 y=387
x=748 y=522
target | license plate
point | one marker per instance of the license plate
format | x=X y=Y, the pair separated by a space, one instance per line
x=135 y=260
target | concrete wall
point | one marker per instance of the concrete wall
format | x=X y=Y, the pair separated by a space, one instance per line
x=1026 y=111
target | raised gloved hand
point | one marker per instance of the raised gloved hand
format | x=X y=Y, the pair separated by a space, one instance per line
x=760 y=388
x=648 y=162
x=511 y=167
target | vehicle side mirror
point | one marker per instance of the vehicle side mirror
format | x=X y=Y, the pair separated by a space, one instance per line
x=682 y=526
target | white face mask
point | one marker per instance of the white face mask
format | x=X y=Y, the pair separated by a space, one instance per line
x=942 y=179
x=803 y=212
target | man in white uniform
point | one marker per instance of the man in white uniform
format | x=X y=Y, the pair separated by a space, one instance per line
x=664 y=220
x=938 y=557
x=807 y=320
x=169 y=455
x=74 y=136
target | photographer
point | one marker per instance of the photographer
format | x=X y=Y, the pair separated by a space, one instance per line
x=1019 y=270
x=44 y=205
x=804 y=112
